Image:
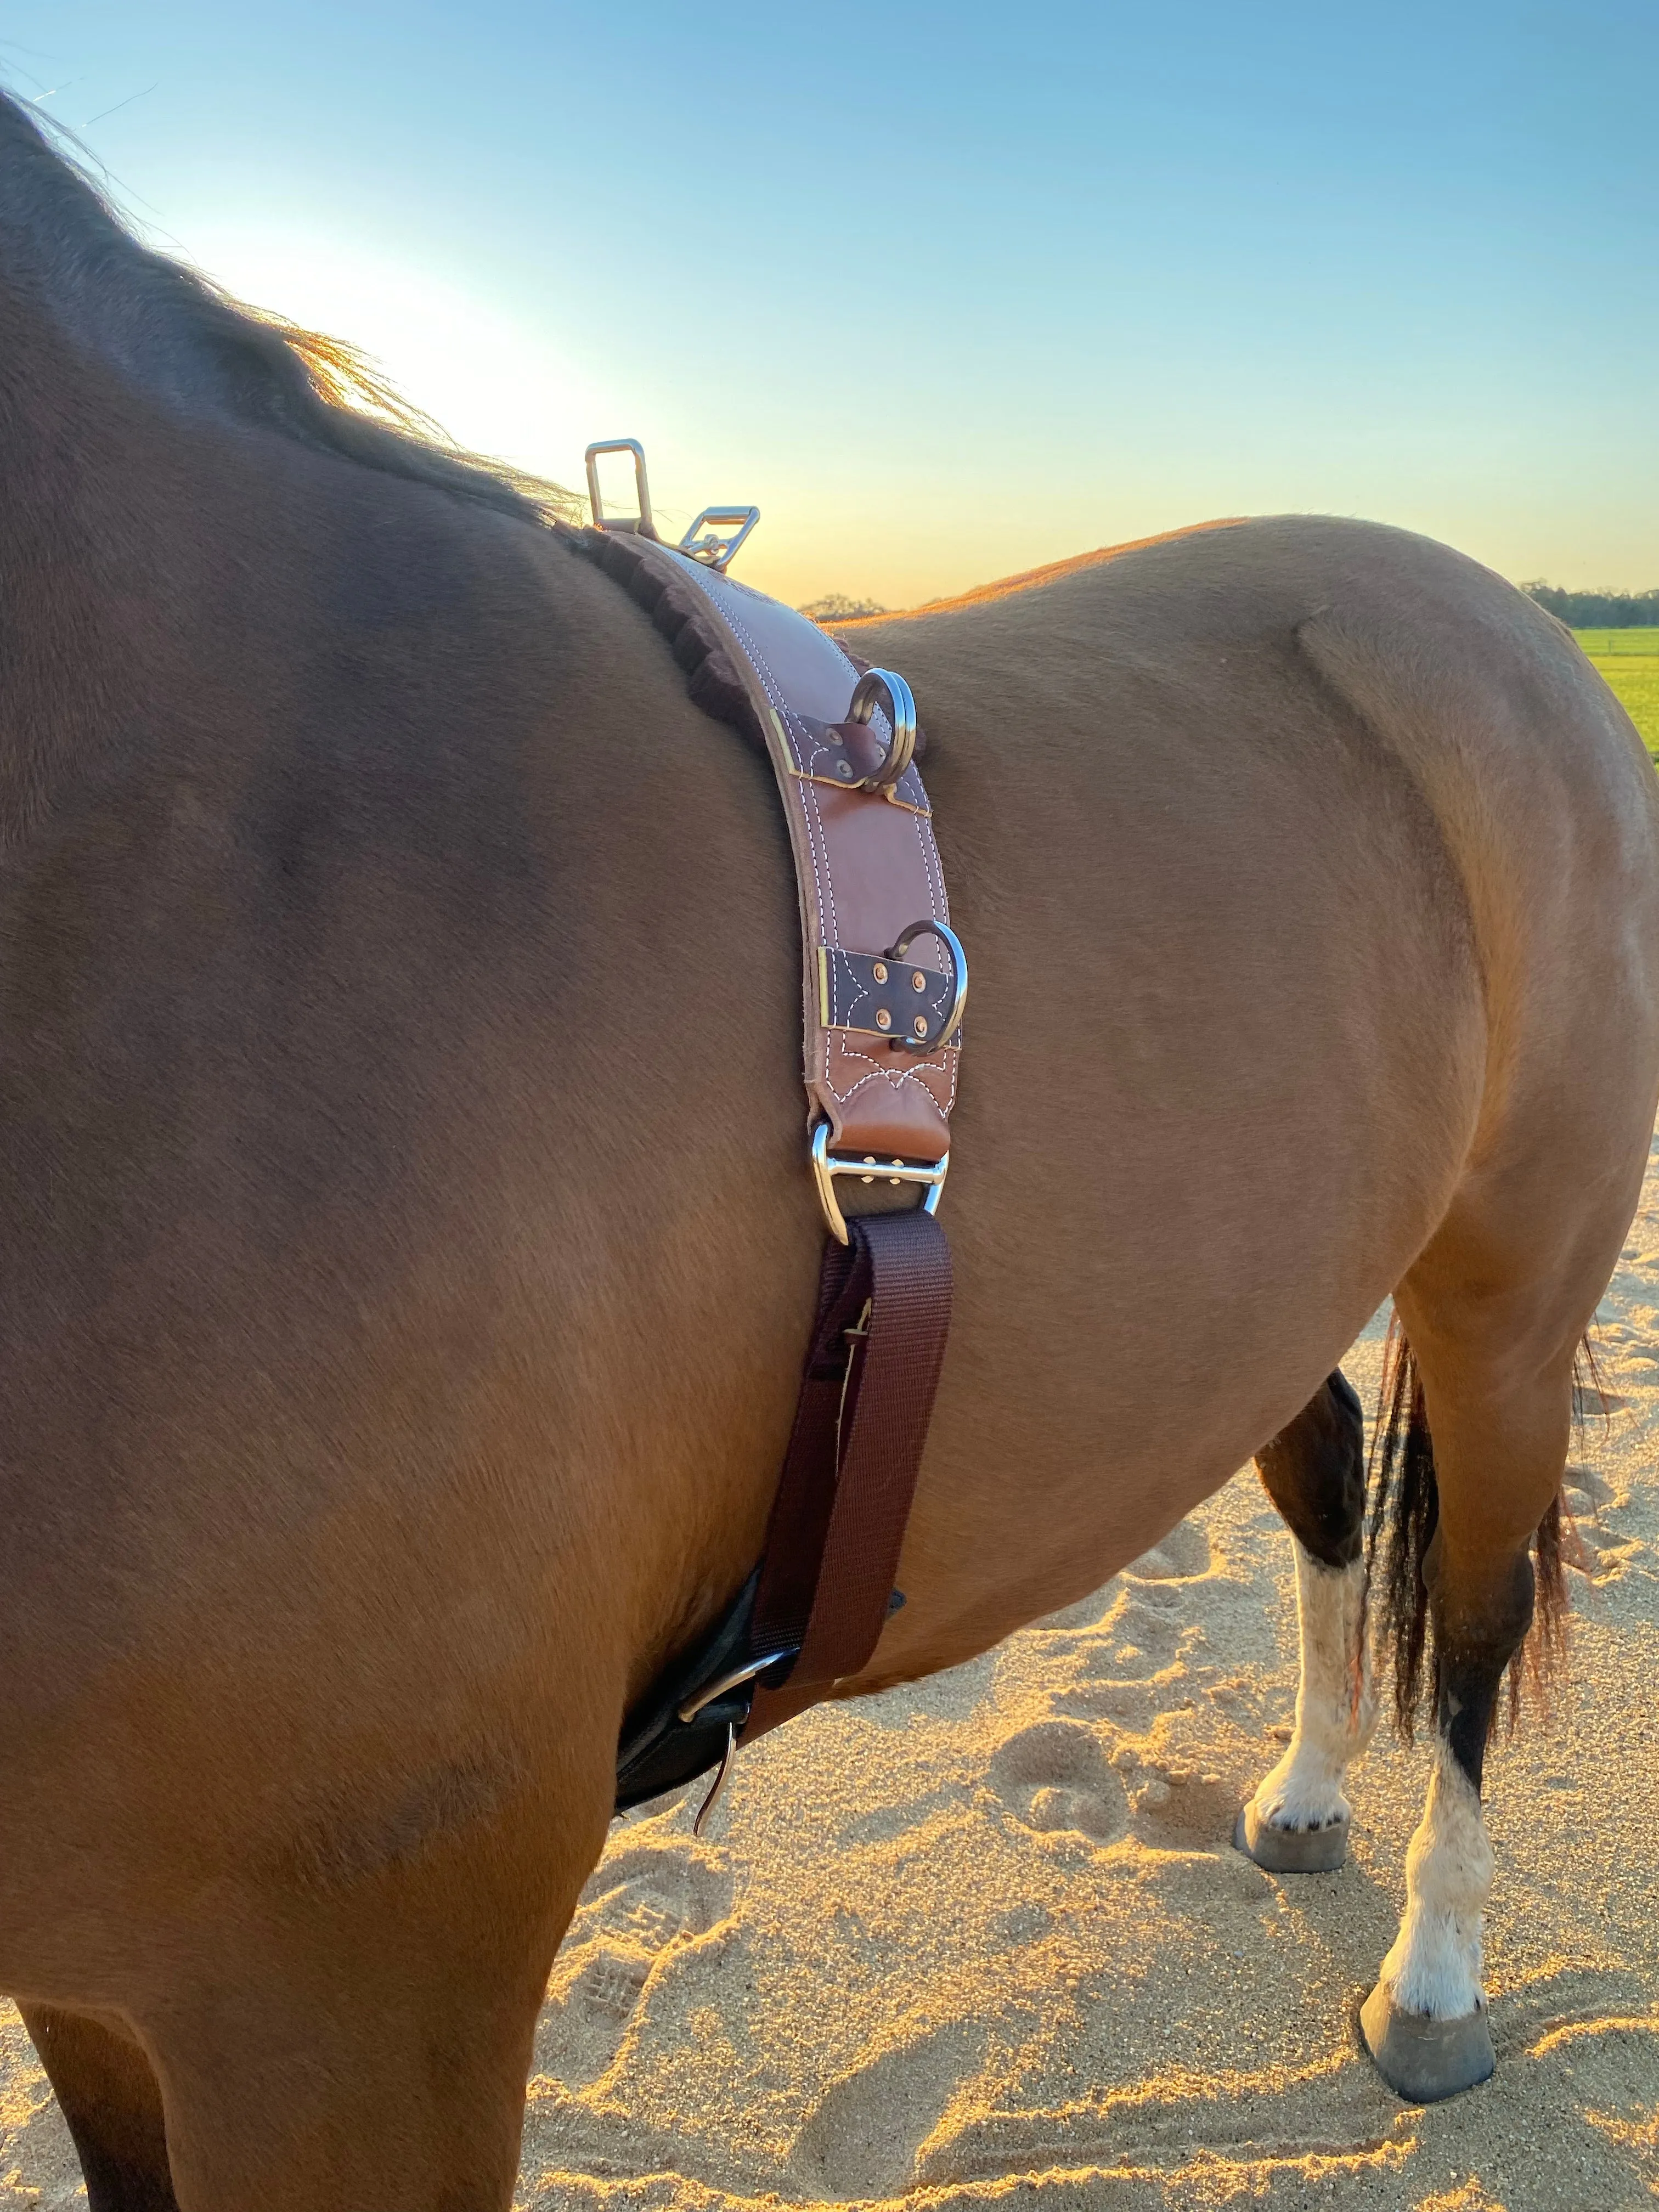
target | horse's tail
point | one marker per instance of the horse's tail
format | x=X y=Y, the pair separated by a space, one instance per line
x=1404 y=1510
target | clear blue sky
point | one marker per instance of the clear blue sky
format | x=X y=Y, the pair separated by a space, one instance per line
x=948 y=291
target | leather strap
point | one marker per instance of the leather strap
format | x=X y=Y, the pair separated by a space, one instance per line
x=812 y=1614
x=867 y=865
x=867 y=871
x=867 y=1397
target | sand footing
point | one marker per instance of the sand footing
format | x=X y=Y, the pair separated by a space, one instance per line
x=987 y=1940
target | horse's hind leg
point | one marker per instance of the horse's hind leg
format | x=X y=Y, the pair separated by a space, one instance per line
x=108 y=2095
x=1314 y=1473
x=1494 y=1346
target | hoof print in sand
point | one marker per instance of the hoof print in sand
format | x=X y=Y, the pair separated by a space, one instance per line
x=1179 y=1806
x=862 y=2138
x=1141 y=1638
x=1592 y=1543
x=1055 y=1778
x=1181 y=1556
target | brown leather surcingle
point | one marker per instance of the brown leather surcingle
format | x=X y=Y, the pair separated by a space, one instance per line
x=884 y=985
x=867 y=865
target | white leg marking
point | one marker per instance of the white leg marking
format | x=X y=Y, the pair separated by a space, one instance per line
x=1304 y=1791
x=1435 y=1965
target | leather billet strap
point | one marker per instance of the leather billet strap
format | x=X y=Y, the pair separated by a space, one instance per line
x=866 y=867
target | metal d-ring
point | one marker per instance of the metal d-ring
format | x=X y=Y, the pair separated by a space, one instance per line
x=880 y=687
x=699 y=1698
x=952 y=943
x=738 y=1675
x=644 y=527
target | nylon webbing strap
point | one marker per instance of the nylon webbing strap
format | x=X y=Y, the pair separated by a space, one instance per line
x=861 y=1420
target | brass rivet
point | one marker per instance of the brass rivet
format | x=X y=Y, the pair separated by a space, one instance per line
x=883 y=1019
x=869 y=1162
x=867 y=1179
x=920 y=1026
x=879 y=971
x=898 y=1164
x=918 y=981
x=896 y=1182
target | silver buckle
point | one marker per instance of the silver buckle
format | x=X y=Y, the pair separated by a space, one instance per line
x=644 y=526
x=827 y=1165
x=712 y=550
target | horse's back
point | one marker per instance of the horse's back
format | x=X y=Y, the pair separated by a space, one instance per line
x=1301 y=863
x=1370 y=682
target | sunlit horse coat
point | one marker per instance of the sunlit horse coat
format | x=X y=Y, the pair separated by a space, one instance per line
x=407 y=1255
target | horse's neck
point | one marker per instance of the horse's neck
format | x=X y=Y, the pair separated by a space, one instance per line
x=65 y=261
x=93 y=523
x=169 y=465
x=104 y=386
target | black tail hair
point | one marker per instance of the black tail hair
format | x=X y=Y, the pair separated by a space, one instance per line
x=1405 y=1511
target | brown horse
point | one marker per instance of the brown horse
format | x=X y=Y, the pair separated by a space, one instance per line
x=408 y=1253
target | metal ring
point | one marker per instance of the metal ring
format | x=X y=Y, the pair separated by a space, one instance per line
x=718 y=1688
x=952 y=943
x=881 y=687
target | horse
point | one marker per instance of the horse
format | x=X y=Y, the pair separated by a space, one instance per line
x=408 y=1252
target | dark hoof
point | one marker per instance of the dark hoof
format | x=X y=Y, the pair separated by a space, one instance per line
x=1291 y=1850
x=1426 y=2059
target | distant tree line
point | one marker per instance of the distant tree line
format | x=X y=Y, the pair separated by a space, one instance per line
x=1598 y=610
x=837 y=607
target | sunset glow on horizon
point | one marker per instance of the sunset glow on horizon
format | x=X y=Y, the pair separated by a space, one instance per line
x=953 y=293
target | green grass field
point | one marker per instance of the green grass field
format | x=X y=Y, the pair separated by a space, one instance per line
x=1629 y=659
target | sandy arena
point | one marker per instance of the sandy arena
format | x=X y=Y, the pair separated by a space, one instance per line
x=985 y=1942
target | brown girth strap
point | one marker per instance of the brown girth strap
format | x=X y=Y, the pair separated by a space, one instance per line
x=867 y=1396
x=883 y=1045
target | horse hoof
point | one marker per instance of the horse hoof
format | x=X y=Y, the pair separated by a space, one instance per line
x=1426 y=2059
x=1291 y=1850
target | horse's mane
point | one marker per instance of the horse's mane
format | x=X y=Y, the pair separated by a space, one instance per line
x=173 y=331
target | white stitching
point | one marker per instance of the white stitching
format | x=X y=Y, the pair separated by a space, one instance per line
x=827 y=921
x=913 y=1073
x=823 y=877
x=931 y=869
x=823 y=881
